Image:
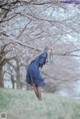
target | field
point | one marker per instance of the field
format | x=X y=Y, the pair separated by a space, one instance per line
x=20 y=104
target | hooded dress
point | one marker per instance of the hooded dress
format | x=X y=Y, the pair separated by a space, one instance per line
x=33 y=74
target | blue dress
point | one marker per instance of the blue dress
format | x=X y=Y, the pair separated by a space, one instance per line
x=33 y=74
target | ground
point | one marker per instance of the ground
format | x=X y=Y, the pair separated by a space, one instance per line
x=20 y=104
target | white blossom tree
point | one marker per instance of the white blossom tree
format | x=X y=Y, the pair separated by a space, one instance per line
x=28 y=26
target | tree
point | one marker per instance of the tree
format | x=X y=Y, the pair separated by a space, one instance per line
x=2 y=63
x=43 y=22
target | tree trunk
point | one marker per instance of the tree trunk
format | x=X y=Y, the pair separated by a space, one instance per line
x=1 y=77
x=18 y=83
x=13 y=82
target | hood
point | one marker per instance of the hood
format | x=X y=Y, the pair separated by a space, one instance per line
x=41 y=59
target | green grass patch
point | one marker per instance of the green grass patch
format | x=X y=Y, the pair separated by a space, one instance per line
x=4 y=100
x=23 y=104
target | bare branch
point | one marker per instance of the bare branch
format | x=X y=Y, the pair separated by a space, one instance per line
x=72 y=51
x=4 y=34
x=23 y=29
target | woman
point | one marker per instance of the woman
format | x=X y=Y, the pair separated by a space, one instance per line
x=33 y=74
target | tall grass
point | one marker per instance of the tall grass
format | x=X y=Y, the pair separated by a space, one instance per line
x=24 y=105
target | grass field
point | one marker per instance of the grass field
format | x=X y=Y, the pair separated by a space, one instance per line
x=24 y=105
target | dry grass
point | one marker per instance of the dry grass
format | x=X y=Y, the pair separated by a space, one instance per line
x=24 y=105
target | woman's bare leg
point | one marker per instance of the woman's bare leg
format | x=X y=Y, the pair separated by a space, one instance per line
x=37 y=91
